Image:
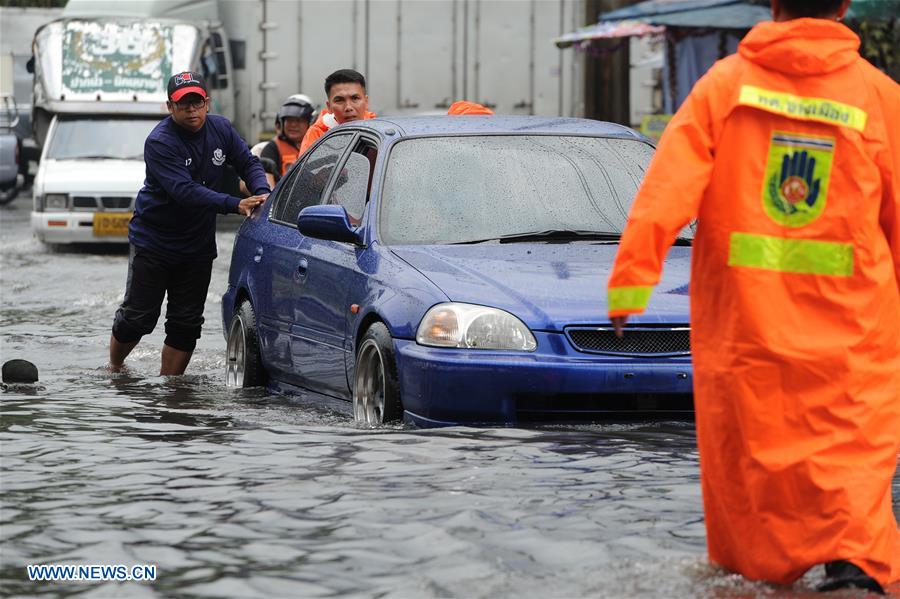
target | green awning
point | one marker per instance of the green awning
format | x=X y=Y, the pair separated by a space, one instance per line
x=697 y=14
x=879 y=10
x=732 y=16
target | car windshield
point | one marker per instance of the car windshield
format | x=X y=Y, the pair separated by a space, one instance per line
x=480 y=189
x=100 y=138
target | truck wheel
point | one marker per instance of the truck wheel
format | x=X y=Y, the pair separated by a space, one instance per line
x=243 y=366
x=376 y=389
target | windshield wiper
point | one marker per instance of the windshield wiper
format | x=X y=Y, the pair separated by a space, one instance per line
x=95 y=157
x=548 y=235
x=561 y=235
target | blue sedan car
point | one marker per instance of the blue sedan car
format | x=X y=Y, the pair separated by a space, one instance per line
x=446 y=270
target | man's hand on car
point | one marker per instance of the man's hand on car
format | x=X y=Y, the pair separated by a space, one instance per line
x=248 y=205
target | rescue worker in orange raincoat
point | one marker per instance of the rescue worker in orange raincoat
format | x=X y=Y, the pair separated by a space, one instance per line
x=466 y=108
x=788 y=156
x=345 y=91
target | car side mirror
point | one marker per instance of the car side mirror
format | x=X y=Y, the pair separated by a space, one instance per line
x=329 y=222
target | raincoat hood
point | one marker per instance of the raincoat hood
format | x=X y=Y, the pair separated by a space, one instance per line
x=801 y=46
x=464 y=107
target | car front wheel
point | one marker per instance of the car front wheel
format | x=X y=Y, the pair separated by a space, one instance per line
x=243 y=365
x=376 y=390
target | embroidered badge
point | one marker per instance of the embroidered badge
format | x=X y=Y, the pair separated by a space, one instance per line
x=186 y=77
x=218 y=157
x=796 y=181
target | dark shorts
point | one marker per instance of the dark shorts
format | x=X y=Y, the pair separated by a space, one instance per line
x=150 y=278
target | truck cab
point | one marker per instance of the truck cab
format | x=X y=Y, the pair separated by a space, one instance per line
x=120 y=65
x=99 y=89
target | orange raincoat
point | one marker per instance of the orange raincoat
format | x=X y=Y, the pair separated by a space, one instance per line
x=322 y=125
x=466 y=108
x=288 y=152
x=788 y=154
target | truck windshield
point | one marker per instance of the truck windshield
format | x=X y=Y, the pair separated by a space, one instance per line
x=100 y=138
x=510 y=188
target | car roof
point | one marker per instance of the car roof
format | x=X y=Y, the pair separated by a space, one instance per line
x=405 y=126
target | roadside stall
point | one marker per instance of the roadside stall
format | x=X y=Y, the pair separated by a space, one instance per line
x=694 y=34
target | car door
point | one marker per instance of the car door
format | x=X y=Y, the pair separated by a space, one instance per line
x=323 y=309
x=273 y=289
x=284 y=255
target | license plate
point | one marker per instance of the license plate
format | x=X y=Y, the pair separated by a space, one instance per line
x=111 y=225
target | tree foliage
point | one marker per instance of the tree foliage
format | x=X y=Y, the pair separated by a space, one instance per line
x=880 y=44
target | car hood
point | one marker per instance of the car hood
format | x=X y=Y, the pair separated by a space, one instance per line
x=91 y=176
x=547 y=285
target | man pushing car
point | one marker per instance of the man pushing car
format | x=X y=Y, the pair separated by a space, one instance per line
x=173 y=231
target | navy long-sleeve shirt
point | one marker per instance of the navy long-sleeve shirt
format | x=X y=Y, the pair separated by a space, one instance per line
x=175 y=211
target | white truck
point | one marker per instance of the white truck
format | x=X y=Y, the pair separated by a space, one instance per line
x=111 y=59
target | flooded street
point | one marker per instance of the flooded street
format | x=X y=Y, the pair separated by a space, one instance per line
x=247 y=494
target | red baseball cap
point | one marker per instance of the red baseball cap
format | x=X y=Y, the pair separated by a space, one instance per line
x=185 y=83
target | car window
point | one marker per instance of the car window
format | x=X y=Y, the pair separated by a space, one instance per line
x=351 y=189
x=282 y=193
x=312 y=177
x=456 y=189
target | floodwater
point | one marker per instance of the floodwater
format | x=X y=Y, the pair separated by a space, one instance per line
x=247 y=494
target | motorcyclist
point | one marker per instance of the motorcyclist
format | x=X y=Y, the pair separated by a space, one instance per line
x=291 y=124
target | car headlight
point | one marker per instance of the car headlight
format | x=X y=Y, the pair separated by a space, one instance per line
x=58 y=201
x=473 y=327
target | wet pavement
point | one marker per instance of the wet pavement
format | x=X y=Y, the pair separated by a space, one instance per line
x=247 y=494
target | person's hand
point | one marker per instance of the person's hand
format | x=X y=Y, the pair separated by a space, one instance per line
x=618 y=323
x=248 y=205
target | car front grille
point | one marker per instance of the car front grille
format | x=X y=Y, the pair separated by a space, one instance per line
x=637 y=340
x=115 y=202
x=84 y=202
x=112 y=203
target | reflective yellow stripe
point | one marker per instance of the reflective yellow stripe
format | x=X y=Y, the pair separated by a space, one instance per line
x=629 y=298
x=807 y=109
x=802 y=256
